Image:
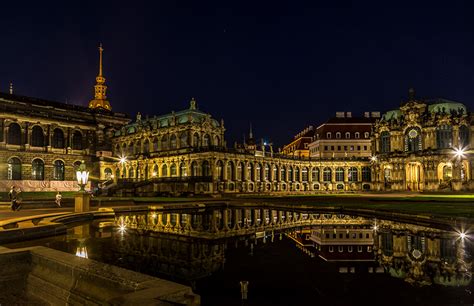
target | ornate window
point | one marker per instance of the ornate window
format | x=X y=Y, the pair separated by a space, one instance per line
x=444 y=136
x=315 y=174
x=304 y=174
x=283 y=174
x=58 y=139
x=258 y=172
x=297 y=174
x=366 y=174
x=206 y=169
x=366 y=135
x=14 y=169
x=328 y=135
x=251 y=174
x=183 y=140
x=338 y=135
x=357 y=135
x=220 y=170
x=194 y=168
x=240 y=172
x=206 y=140
x=348 y=135
x=173 y=142
x=156 y=144
x=290 y=174
x=353 y=175
x=327 y=174
x=275 y=173
x=216 y=140
x=339 y=174
x=463 y=136
x=173 y=171
x=77 y=140
x=183 y=171
x=146 y=146
x=37 y=136
x=58 y=170
x=230 y=171
x=196 y=140
x=267 y=172
x=164 y=170
x=164 y=142
x=385 y=142
x=37 y=169
x=14 y=134
x=413 y=140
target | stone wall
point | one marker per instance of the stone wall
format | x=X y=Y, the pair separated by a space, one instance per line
x=45 y=276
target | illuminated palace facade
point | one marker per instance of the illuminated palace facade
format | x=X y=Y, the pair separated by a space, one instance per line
x=185 y=152
x=413 y=149
x=425 y=145
x=42 y=142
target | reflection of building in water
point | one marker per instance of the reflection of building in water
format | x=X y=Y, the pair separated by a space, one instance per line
x=422 y=255
x=184 y=258
x=350 y=242
x=221 y=222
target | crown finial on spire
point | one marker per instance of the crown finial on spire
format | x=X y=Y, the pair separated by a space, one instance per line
x=11 y=88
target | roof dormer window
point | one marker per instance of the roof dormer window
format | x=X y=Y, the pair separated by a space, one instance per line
x=328 y=135
x=338 y=135
x=348 y=135
x=357 y=135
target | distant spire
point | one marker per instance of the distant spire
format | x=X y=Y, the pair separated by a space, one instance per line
x=100 y=89
x=100 y=59
x=250 y=132
x=11 y=88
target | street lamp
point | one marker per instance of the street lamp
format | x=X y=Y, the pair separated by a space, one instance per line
x=81 y=199
x=82 y=176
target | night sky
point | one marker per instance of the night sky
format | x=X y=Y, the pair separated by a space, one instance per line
x=281 y=65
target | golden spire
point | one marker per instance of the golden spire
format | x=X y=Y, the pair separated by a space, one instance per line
x=100 y=98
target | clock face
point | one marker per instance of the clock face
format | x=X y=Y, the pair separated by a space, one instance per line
x=412 y=133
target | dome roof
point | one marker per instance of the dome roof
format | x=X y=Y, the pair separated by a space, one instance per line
x=447 y=106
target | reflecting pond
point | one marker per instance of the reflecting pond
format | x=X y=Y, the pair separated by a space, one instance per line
x=282 y=257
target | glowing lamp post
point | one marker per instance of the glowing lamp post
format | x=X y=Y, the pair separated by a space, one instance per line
x=82 y=176
x=82 y=200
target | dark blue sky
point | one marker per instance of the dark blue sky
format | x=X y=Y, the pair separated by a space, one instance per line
x=281 y=65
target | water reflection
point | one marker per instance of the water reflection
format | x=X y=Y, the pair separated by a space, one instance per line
x=418 y=254
x=216 y=249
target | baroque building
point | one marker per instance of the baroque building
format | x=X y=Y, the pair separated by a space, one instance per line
x=423 y=146
x=42 y=142
x=185 y=152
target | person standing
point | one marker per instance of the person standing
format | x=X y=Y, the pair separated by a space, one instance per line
x=58 y=199
x=13 y=198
